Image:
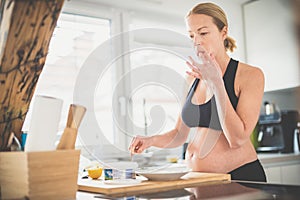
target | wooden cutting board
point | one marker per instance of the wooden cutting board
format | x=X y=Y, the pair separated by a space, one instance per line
x=189 y=180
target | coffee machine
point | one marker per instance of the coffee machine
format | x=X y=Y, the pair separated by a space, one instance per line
x=276 y=131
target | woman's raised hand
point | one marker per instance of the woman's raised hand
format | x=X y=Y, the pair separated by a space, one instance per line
x=209 y=70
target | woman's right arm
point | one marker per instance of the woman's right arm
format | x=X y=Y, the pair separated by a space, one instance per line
x=171 y=139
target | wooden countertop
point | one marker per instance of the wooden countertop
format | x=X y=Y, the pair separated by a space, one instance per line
x=189 y=180
x=231 y=190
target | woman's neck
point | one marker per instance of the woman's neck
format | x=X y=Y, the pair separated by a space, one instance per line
x=223 y=60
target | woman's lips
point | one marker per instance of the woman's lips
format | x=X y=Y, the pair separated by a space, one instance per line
x=199 y=49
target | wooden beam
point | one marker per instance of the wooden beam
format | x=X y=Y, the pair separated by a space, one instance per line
x=26 y=30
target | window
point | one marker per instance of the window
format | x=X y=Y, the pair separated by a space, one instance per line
x=74 y=38
x=156 y=104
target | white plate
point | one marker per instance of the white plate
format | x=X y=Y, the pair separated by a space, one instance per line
x=123 y=182
x=165 y=174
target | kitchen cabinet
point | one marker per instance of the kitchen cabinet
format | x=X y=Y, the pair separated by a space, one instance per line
x=290 y=174
x=273 y=174
x=281 y=168
x=285 y=174
x=271 y=42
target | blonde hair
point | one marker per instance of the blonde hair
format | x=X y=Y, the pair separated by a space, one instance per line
x=219 y=19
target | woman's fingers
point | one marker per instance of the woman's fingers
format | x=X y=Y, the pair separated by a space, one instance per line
x=192 y=67
x=193 y=74
x=195 y=71
x=203 y=54
x=201 y=51
x=205 y=57
x=133 y=145
x=137 y=145
x=192 y=62
x=208 y=69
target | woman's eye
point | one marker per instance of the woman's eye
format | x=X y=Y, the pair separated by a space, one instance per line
x=203 y=33
x=191 y=36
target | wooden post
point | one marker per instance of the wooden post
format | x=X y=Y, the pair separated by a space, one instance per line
x=26 y=27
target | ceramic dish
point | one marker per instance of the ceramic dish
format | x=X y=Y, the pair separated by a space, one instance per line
x=165 y=174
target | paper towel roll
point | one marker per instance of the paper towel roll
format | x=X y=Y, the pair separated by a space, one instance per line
x=44 y=123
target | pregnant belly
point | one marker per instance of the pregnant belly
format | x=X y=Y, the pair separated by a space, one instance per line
x=219 y=158
x=210 y=163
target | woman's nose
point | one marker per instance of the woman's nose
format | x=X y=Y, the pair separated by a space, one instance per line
x=197 y=40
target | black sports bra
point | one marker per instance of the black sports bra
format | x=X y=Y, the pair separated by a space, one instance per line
x=206 y=115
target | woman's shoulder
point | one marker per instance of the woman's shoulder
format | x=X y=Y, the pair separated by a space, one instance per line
x=247 y=71
x=249 y=76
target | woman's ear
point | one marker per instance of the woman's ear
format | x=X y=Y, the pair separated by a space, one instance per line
x=224 y=32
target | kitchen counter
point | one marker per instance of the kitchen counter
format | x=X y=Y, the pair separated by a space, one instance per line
x=231 y=190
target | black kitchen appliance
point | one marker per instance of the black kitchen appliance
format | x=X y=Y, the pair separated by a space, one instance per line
x=276 y=131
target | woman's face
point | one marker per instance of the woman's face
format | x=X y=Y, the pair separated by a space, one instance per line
x=204 y=32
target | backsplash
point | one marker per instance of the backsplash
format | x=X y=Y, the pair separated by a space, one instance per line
x=285 y=99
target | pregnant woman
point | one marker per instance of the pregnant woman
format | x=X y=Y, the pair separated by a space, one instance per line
x=223 y=103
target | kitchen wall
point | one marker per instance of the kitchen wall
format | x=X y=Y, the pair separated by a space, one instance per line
x=278 y=58
x=286 y=99
x=271 y=42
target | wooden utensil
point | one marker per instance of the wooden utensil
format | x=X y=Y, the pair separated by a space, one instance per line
x=68 y=138
x=13 y=143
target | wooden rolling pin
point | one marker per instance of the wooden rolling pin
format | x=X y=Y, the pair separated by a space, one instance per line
x=68 y=138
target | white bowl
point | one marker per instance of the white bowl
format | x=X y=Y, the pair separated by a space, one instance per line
x=164 y=174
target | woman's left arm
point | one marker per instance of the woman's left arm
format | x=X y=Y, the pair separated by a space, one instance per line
x=237 y=124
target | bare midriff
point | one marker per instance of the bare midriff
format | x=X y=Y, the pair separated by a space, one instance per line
x=217 y=157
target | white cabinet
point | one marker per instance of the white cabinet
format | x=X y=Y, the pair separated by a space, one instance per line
x=271 y=42
x=281 y=168
x=283 y=173
x=290 y=174
x=273 y=174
